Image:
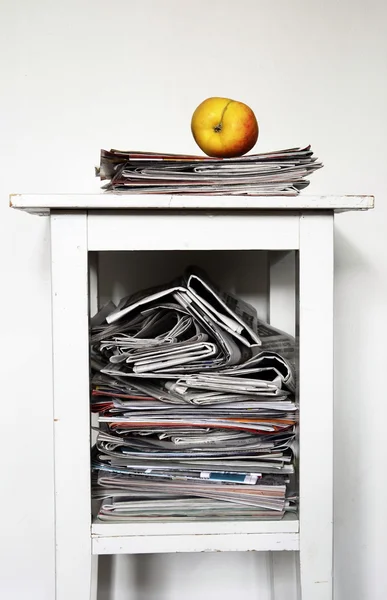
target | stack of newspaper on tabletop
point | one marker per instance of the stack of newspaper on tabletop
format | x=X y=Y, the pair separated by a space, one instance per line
x=197 y=415
x=282 y=172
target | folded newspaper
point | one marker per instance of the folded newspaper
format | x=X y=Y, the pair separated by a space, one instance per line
x=282 y=172
x=196 y=408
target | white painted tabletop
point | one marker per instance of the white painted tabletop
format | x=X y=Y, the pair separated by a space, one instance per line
x=44 y=203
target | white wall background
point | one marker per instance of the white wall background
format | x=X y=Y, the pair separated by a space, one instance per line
x=80 y=75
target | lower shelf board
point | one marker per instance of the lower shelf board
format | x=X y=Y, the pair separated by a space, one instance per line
x=218 y=536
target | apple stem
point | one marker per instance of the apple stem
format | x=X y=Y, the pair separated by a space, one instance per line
x=219 y=126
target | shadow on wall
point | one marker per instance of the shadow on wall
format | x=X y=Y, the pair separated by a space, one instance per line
x=353 y=415
x=185 y=576
x=122 y=273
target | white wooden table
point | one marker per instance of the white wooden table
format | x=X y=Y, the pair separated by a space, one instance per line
x=81 y=224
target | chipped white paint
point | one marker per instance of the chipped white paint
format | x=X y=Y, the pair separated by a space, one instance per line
x=289 y=524
x=241 y=542
x=71 y=405
x=42 y=204
x=283 y=297
x=141 y=230
x=316 y=405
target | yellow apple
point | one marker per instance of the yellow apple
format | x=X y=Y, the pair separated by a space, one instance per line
x=224 y=128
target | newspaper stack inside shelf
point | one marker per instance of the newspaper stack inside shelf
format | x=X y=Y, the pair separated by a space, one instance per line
x=196 y=407
x=282 y=172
